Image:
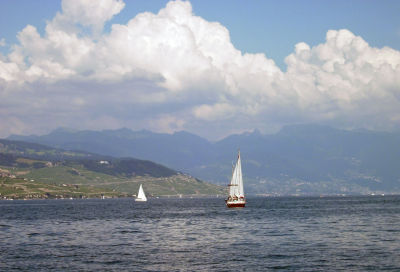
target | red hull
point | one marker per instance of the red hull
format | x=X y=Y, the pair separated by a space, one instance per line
x=235 y=205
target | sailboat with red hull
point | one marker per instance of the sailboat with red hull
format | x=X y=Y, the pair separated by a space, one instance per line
x=236 y=197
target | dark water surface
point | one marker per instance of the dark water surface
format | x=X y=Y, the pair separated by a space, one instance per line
x=288 y=234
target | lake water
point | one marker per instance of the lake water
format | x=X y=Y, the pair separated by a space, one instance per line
x=285 y=233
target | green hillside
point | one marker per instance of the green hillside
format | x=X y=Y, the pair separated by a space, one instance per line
x=19 y=188
x=35 y=171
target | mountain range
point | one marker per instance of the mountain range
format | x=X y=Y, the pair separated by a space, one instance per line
x=299 y=159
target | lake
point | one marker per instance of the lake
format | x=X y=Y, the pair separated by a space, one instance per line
x=354 y=233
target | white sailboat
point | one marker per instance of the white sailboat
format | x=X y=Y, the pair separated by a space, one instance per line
x=141 y=196
x=236 y=193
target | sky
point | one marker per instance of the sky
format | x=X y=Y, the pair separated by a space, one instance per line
x=212 y=68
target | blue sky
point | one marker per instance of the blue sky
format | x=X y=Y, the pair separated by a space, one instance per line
x=265 y=64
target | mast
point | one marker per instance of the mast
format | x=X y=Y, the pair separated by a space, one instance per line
x=240 y=177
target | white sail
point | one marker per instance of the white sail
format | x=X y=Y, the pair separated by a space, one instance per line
x=236 y=185
x=141 y=196
x=236 y=193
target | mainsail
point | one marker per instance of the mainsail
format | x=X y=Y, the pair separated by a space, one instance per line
x=236 y=193
x=236 y=185
x=141 y=196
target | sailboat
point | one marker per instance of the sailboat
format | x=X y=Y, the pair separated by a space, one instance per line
x=236 y=197
x=141 y=196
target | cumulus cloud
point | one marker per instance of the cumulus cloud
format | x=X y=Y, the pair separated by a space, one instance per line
x=174 y=70
x=345 y=76
x=87 y=13
x=213 y=112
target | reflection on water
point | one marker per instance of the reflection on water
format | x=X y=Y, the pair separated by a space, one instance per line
x=292 y=234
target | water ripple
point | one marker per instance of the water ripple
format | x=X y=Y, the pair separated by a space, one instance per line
x=287 y=234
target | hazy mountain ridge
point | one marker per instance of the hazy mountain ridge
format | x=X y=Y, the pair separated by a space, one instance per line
x=11 y=150
x=297 y=159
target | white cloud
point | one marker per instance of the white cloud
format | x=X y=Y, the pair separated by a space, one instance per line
x=172 y=70
x=8 y=71
x=214 y=112
x=166 y=123
x=347 y=76
x=88 y=13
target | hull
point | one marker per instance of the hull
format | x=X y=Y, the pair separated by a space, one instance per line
x=235 y=204
x=140 y=200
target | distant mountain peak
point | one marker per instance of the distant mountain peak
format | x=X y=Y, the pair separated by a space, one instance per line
x=306 y=129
